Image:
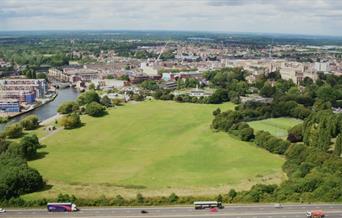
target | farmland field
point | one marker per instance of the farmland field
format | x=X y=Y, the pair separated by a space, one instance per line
x=155 y=148
x=276 y=126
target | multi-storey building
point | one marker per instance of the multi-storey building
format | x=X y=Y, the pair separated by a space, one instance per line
x=28 y=97
x=9 y=106
x=38 y=86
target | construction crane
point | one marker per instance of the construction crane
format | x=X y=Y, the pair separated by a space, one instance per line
x=161 y=52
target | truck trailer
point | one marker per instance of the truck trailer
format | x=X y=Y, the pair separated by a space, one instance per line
x=62 y=207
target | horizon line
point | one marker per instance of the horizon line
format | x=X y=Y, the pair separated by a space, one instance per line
x=185 y=31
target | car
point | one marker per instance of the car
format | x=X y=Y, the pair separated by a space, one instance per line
x=278 y=205
x=143 y=211
x=2 y=210
x=213 y=210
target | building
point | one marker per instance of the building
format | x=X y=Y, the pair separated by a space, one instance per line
x=149 y=69
x=168 y=76
x=168 y=85
x=296 y=71
x=255 y=98
x=322 y=67
x=38 y=86
x=55 y=74
x=199 y=93
x=9 y=106
x=108 y=84
x=81 y=74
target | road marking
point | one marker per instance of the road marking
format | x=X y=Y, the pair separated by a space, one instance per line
x=255 y=215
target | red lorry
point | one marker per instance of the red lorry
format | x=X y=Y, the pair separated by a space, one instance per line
x=315 y=214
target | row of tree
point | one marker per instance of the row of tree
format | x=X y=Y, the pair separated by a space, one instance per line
x=16 y=177
x=231 y=121
x=15 y=130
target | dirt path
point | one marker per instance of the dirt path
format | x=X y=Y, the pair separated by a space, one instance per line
x=51 y=133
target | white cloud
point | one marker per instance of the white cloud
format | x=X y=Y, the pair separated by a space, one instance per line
x=284 y=16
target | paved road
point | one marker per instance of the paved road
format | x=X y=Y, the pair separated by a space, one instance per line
x=230 y=211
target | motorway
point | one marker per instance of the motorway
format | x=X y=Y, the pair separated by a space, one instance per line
x=236 y=211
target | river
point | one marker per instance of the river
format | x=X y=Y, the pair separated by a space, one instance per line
x=50 y=109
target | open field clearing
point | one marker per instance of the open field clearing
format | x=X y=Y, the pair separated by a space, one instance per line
x=276 y=126
x=154 y=148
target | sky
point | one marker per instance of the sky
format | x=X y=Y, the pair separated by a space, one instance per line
x=312 y=17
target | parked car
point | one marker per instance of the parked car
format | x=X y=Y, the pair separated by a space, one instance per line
x=2 y=210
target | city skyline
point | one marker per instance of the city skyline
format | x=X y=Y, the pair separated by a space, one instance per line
x=317 y=17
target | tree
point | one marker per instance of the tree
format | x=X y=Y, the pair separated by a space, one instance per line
x=118 y=200
x=95 y=109
x=16 y=178
x=327 y=93
x=173 y=198
x=324 y=136
x=117 y=102
x=149 y=85
x=3 y=145
x=219 y=198
x=106 y=101
x=321 y=105
x=232 y=194
x=91 y=86
x=267 y=90
x=14 y=131
x=71 y=121
x=140 y=199
x=295 y=134
x=307 y=81
x=30 y=122
x=217 y=112
x=68 y=107
x=88 y=97
x=246 y=134
x=219 y=96
x=26 y=147
x=138 y=97
x=338 y=145
x=41 y=76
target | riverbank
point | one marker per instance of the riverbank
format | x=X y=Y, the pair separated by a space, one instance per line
x=48 y=109
x=34 y=107
x=51 y=119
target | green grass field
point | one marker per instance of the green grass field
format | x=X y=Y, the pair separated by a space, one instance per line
x=154 y=148
x=276 y=126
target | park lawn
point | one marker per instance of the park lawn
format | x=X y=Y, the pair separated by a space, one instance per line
x=276 y=126
x=153 y=147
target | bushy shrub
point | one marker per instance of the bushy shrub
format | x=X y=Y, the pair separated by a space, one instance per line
x=25 y=148
x=106 y=101
x=295 y=134
x=68 y=107
x=271 y=143
x=71 y=121
x=95 y=109
x=14 y=131
x=16 y=178
x=30 y=122
x=88 y=97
